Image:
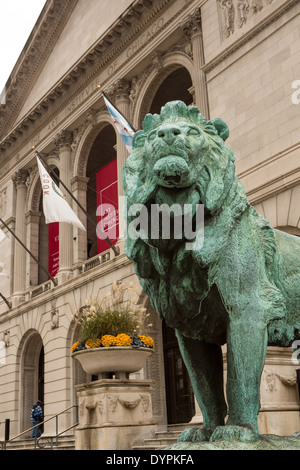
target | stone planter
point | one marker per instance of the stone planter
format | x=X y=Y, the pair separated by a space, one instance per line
x=118 y=360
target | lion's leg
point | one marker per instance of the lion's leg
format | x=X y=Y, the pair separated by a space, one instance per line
x=246 y=352
x=205 y=367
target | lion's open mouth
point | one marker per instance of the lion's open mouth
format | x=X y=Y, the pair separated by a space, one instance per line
x=172 y=171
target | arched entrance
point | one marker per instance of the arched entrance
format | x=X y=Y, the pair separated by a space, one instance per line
x=177 y=85
x=32 y=376
x=48 y=246
x=102 y=173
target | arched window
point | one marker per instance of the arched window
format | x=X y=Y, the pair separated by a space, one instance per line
x=102 y=186
x=175 y=87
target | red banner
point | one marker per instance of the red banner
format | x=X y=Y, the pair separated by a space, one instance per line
x=107 y=205
x=53 y=248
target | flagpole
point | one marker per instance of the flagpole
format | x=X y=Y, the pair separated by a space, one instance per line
x=25 y=248
x=6 y=301
x=115 y=249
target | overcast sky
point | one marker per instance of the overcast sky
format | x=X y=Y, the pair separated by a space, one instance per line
x=18 y=18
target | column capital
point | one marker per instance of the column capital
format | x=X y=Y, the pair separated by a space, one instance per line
x=63 y=139
x=20 y=177
x=122 y=89
x=192 y=24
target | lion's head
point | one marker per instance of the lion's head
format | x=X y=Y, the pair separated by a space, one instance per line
x=176 y=151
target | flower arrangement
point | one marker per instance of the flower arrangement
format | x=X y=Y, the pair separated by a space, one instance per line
x=115 y=321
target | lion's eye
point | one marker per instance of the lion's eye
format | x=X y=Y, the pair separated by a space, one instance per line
x=152 y=135
x=193 y=131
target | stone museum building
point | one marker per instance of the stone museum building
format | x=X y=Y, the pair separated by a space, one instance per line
x=234 y=59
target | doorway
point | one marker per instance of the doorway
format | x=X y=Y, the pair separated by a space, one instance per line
x=102 y=153
x=32 y=377
x=179 y=392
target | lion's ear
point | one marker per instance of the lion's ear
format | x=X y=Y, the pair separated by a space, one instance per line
x=138 y=139
x=221 y=127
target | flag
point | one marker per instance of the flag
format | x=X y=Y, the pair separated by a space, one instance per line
x=2 y=235
x=122 y=126
x=56 y=208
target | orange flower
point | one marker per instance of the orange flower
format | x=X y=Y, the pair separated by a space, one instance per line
x=123 y=340
x=108 y=340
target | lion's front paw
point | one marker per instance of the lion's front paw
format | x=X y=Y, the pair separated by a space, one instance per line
x=194 y=435
x=234 y=433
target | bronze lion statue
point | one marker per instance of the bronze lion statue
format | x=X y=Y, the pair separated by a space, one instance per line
x=241 y=286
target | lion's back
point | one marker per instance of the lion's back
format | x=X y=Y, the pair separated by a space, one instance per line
x=287 y=278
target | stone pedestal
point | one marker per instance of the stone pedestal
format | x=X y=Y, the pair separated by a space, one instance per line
x=114 y=414
x=279 y=396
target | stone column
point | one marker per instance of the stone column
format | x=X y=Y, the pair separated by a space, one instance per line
x=193 y=31
x=122 y=101
x=19 y=276
x=33 y=239
x=79 y=189
x=63 y=141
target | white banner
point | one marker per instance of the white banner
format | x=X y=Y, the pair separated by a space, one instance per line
x=56 y=208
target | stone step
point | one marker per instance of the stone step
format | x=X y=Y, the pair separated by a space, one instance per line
x=64 y=443
x=165 y=438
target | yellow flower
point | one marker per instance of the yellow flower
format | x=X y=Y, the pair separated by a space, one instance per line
x=75 y=345
x=123 y=340
x=90 y=343
x=147 y=340
x=108 y=340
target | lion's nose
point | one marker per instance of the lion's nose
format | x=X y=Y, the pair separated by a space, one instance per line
x=169 y=133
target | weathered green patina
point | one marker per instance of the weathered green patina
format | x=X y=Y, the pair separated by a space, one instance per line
x=241 y=287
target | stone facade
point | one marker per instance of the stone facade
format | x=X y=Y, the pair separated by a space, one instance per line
x=236 y=59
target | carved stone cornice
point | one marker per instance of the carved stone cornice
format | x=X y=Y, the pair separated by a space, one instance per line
x=116 y=39
x=38 y=47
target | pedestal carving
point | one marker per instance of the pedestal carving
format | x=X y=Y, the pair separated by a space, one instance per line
x=114 y=414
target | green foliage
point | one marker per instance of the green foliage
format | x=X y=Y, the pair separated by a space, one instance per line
x=112 y=316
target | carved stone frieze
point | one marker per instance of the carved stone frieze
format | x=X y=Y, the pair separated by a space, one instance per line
x=243 y=8
x=234 y=14
x=289 y=380
x=228 y=15
x=130 y=404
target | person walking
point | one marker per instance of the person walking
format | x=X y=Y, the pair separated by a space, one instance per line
x=36 y=417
